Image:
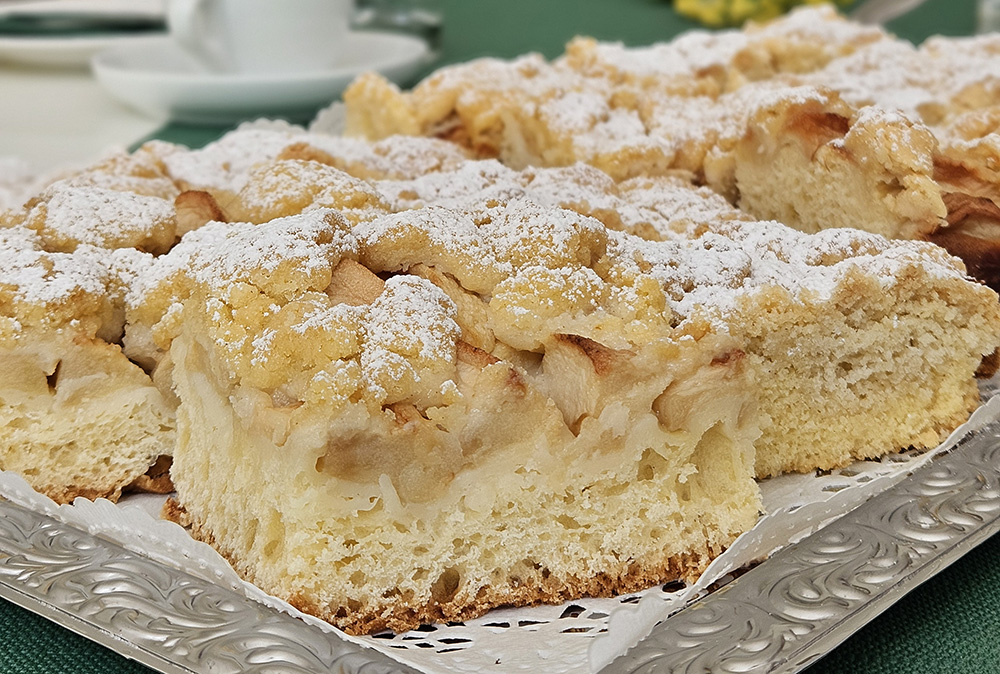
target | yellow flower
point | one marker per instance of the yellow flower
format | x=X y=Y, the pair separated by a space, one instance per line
x=719 y=13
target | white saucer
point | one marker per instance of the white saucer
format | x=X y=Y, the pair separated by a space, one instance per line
x=157 y=77
x=61 y=52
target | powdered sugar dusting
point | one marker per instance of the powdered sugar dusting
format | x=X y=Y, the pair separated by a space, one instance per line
x=224 y=164
x=443 y=235
x=673 y=208
x=482 y=242
x=530 y=77
x=33 y=276
x=488 y=180
x=102 y=217
x=398 y=157
x=130 y=268
x=412 y=321
x=726 y=118
x=604 y=129
x=690 y=54
x=656 y=207
x=820 y=27
x=708 y=275
x=963 y=62
x=278 y=255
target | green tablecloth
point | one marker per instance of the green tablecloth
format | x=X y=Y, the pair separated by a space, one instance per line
x=950 y=624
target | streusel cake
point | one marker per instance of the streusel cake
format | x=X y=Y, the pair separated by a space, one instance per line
x=536 y=347
x=447 y=410
x=496 y=390
x=77 y=417
x=810 y=119
x=671 y=208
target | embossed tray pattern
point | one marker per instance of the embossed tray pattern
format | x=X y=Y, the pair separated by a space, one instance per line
x=778 y=617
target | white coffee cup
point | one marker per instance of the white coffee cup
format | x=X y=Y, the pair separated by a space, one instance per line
x=261 y=36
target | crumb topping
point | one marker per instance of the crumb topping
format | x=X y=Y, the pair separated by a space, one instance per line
x=714 y=272
x=52 y=290
x=283 y=256
x=66 y=215
x=482 y=243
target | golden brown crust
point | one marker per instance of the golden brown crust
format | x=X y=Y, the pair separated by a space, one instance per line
x=989 y=365
x=156 y=480
x=519 y=590
x=173 y=511
x=625 y=578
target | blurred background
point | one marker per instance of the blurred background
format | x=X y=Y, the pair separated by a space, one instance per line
x=52 y=112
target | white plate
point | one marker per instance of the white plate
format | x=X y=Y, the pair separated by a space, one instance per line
x=157 y=77
x=70 y=51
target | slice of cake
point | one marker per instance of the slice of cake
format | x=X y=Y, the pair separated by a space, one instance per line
x=816 y=163
x=445 y=409
x=707 y=63
x=858 y=346
x=627 y=110
x=818 y=341
x=77 y=418
x=448 y=410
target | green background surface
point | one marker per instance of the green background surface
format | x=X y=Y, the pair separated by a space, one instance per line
x=949 y=624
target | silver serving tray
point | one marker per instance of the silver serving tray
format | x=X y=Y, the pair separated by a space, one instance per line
x=779 y=617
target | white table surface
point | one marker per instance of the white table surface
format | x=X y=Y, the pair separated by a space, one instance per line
x=53 y=118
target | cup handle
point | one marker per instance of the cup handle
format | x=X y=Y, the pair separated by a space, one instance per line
x=189 y=24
